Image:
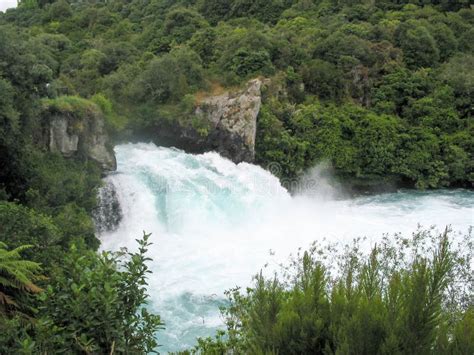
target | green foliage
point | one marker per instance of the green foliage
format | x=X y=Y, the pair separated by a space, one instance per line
x=364 y=145
x=8 y=114
x=54 y=181
x=17 y=276
x=276 y=144
x=61 y=195
x=28 y=3
x=265 y=11
x=60 y=10
x=382 y=91
x=97 y=303
x=345 y=49
x=28 y=64
x=323 y=79
x=73 y=105
x=93 y=303
x=395 y=300
x=168 y=78
x=20 y=225
x=398 y=89
x=115 y=122
x=244 y=63
x=458 y=74
x=181 y=23
x=215 y=10
x=138 y=61
x=419 y=46
x=114 y=55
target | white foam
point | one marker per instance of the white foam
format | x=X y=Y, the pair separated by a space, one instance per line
x=215 y=222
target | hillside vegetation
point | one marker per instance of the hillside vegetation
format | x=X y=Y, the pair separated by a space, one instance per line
x=383 y=90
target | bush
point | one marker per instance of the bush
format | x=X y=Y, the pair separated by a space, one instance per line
x=73 y=105
x=18 y=277
x=97 y=303
x=54 y=181
x=407 y=296
x=180 y=24
x=93 y=303
x=244 y=63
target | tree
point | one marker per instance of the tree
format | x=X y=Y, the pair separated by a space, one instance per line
x=376 y=141
x=323 y=79
x=244 y=62
x=8 y=114
x=215 y=10
x=169 y=78
x=458 y=74
x=29 y=4
x=263 y=10
x=60 y=10
x=20 y=225
x=180 y=24
x=418 y=45
x=445 y=40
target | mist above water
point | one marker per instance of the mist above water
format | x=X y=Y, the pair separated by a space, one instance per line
x=215 y=224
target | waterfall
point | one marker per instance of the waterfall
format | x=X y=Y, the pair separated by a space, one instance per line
x=214 y=224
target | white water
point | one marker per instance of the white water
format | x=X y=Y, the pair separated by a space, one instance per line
x=214 y=224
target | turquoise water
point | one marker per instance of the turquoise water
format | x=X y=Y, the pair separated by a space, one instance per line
x=215 y=224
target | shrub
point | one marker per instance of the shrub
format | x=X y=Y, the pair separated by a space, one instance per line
x=73 y=105
x=97 y=303
x=406 y=296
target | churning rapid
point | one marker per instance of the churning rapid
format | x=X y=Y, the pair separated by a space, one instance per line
x=214 y=224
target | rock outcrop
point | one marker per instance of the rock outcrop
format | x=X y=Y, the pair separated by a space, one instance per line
x=108 y=213
x=233 y=119
x=60 y=140
x=228 y=124
x=69 y=136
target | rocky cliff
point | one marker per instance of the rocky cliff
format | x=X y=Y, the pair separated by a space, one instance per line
x=71 y=133
x=233 y=118
x=91 y=139
x=230 y=121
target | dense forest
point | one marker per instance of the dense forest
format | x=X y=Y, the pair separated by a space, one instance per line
x=383 y=90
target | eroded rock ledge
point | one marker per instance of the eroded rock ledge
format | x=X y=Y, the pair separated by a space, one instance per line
x=230 y=120
x=91 y=139
x=71 y=133
x=233 y=118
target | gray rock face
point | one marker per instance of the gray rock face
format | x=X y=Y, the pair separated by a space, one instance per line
x=97 y=147
x=59 y=138
x=233 y=118
x=69 y=136
x=108 y=214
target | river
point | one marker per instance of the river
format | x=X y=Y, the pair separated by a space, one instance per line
x=214 y=224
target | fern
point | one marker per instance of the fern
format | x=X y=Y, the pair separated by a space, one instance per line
x=16 y=276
